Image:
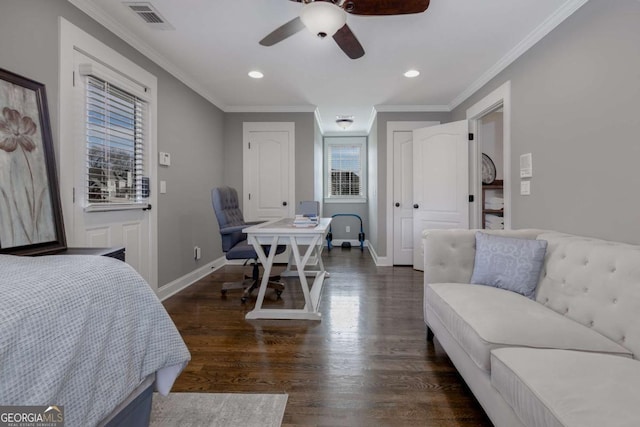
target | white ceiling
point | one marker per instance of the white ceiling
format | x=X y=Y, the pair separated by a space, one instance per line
x=457 y=45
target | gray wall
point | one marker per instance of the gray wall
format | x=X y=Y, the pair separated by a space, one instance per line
x=338 y=225
x=383 y=193
x=575 y=108
x=304 y=149
x=189 y=127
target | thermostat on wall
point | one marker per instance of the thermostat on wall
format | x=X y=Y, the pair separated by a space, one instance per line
x=165 y=159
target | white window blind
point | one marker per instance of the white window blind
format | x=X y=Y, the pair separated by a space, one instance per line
x=345 y=174
x=115 y=144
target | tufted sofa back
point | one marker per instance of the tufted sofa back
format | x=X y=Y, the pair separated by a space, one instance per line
x=596 y=283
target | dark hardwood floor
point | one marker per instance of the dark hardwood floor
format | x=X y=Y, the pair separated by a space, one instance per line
x=367 y=362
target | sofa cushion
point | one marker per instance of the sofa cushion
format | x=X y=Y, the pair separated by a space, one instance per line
x=508 y=263
x=482 y=318
x=568 y=388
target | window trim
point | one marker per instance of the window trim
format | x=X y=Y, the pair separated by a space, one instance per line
x=362 y=141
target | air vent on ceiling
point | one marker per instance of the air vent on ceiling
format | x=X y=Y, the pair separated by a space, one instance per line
x=149 y=15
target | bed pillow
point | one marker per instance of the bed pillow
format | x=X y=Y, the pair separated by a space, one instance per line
x=508 y=263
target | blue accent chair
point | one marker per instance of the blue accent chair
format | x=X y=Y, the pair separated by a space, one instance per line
x=234 y=242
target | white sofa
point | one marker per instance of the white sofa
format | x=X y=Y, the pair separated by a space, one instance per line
x=567 y=358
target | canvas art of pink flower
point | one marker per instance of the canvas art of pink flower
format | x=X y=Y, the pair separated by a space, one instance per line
x=17 y=130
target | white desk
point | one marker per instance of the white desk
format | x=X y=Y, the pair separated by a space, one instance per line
x=282 y=232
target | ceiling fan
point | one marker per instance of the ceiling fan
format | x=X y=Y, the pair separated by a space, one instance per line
x=329 y=18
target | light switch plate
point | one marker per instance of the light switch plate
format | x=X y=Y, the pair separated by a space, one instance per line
x=526 y=166
x=165 y=159
x=525 y=188
x=163 y=187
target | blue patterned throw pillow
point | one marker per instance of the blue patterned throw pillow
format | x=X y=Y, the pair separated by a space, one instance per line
x=508 y=263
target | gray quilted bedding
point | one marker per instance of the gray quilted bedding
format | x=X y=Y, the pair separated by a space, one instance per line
x=79 y=331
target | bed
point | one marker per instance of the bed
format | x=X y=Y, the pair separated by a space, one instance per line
x=87 y=333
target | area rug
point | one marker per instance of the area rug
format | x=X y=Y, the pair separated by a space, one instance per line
x=218 y=409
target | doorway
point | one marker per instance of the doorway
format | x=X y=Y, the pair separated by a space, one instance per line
x=400 y=185
x=107 y=209
x=490 y=123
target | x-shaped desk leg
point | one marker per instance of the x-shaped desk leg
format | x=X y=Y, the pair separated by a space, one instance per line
x=311 y=297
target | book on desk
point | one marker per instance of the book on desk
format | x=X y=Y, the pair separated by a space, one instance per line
x=303 y=221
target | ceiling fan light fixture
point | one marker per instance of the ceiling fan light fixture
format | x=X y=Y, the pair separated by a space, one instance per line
x=323 y=18
x=412 y=73
x=344 y=122
x=255 y=74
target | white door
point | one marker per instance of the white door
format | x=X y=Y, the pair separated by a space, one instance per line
x=403 y=198
x=441 y=181
x=401 y=136
x=105 y=212
x=128 y=228
x=268 y=171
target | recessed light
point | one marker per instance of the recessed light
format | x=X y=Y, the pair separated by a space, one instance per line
x=412 y=73
x=255 y=74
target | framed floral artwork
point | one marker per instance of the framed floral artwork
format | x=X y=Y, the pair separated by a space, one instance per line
x=30 y=212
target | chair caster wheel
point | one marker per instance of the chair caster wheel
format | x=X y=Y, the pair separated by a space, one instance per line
x=223 y=292
x=243 y=299
x=278 y=293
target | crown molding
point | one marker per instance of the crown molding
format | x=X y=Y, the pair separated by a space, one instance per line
x=372 y=119
x=318 y=117
x=93 y=11
x=412 y=108
x=565 y=11
x=270 y=109
x=346 y=133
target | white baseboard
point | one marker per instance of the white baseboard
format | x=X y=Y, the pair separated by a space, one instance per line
x=189 y=279
x=378 y=260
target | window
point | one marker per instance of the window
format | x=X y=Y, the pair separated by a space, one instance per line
x=345 y=169
x=114 y=126
x=115 y=111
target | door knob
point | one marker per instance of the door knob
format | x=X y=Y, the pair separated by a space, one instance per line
x=284 y=203
x=397 y=205
x=416 y=206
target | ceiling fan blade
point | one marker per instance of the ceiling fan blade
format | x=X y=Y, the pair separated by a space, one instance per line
x=385 y=7
x=282 y=32
x=348 y=42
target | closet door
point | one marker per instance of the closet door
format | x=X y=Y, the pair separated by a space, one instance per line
x=268 y=172
x=403 y=198
x=441 y=181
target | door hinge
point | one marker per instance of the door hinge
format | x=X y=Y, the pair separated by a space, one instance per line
x=73 y=78
x=470 y=137
x=471 y=198
x=73 y=194
x=249 y=146
x=249 y=196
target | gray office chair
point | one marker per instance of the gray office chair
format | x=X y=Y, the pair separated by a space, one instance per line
x=234 y=241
